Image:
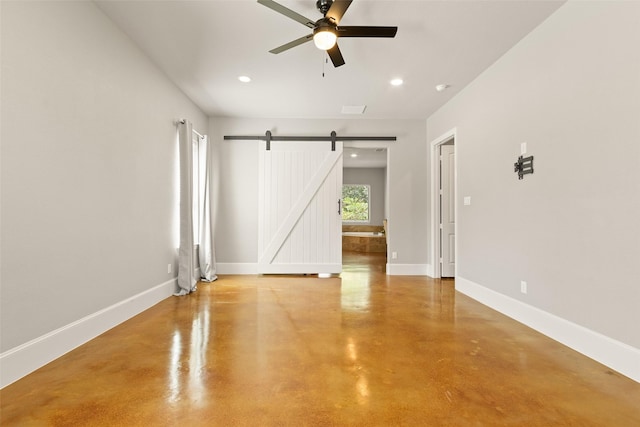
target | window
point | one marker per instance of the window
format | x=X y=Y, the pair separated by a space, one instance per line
x=199 y=176
x=199 y=145
x=355 y=203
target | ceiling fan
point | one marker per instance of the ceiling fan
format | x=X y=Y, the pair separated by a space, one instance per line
x=326 y=30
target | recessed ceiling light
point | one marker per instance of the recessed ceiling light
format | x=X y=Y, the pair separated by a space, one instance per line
x=354 y=155
x=244 y=79
x=440 y=88
x=396 y=82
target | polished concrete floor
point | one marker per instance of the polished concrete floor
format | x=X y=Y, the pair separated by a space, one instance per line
x=363 y=350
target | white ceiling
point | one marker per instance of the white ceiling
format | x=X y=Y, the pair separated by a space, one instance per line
x=203 y=46
x=365 y=157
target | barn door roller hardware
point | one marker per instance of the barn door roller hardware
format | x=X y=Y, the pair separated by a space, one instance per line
x=268 y=137
x=523 y=166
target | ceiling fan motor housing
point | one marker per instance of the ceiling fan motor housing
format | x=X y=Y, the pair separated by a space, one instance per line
x=324 y=6
x=324 y=24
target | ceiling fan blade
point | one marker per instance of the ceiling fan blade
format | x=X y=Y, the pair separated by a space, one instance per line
x=336 y=56
x=337 y=10
x=367 y=31
x=287 y=12
x=294 y=43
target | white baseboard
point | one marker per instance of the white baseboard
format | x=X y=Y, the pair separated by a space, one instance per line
x=236 y=268
x=618 y=356
x=407 y=269
x=430 y=271
x=26 y=358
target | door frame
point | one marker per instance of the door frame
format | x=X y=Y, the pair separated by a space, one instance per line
x=434 y=239
x=388 y=146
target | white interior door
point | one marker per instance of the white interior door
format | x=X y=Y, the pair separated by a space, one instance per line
x=447 y=211
x=300 y=223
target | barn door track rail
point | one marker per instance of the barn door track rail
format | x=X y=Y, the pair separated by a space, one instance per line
x=268 y=137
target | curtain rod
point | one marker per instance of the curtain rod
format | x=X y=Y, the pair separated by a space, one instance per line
x=183 y=121
x=333 y=138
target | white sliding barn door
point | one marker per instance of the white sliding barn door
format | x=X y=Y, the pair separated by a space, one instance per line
x=300 y=223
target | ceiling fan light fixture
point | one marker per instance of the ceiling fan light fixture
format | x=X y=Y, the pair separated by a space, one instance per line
x=325 y=30
x=325 y=39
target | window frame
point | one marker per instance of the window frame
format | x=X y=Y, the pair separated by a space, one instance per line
x=351 y=221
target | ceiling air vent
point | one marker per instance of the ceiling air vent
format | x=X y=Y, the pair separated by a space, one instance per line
x=353 y=109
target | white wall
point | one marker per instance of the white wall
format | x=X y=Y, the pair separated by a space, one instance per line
x=88 y=160
x=571 y=90
x=375 y=178
x=237 y=184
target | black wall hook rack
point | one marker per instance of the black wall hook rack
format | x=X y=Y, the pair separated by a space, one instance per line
x=523 y=166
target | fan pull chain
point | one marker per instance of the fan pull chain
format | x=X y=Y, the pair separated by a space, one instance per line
x=326 y=60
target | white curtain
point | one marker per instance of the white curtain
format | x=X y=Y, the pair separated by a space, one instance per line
x=194 y=216
x=186 y=274
x=206 y=251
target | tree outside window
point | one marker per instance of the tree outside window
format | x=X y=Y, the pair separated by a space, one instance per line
x=355 y=203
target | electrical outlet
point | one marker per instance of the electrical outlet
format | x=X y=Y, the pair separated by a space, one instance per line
x=523 y=286
x=394 y=255
x=169 y=268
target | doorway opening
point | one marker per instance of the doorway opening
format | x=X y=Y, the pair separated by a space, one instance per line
x=364 y=262
x=443 y=237
x=365 y=200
